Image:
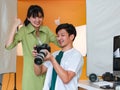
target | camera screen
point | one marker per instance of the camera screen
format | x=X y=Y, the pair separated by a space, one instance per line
x=116 y=56
x=116 y=64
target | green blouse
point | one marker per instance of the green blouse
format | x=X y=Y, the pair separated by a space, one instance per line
x=26 y=35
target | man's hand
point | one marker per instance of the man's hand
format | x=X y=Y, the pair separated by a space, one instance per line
x=49 y=56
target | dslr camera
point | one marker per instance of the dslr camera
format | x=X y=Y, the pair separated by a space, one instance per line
x=41 y=53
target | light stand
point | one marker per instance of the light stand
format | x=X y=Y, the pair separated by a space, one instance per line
x=15 y=81
x=0 y=84
x=1 y=75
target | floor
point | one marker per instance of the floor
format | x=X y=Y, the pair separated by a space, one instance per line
x=12 y=81
x=9 y=83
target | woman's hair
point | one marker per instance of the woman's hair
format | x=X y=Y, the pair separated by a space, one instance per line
x=33 y=11
x=68 y=27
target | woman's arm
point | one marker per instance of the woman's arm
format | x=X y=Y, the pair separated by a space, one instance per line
x=12 y=33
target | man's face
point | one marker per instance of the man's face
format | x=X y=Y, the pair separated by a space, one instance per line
x=64 y=39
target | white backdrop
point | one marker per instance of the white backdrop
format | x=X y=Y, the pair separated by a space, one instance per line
x=8 y=11
x=103 y=23
x=80 y=40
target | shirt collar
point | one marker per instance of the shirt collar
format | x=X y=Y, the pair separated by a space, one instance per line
x=31 y=28
x=69 y=50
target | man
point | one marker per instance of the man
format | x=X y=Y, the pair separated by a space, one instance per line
x=64 y=74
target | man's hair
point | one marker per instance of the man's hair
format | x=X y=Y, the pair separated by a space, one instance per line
x=68 y=27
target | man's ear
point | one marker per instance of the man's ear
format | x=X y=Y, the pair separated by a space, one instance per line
x=72 y=37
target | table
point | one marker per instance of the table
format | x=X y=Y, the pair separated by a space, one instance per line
x=87 y=85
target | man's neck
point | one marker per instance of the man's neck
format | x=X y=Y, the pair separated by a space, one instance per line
x=67 y=48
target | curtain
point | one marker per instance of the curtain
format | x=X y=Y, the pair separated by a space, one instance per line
x=8 y=11
x=103 y=23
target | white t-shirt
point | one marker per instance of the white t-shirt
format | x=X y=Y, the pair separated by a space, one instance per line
x=72 y=60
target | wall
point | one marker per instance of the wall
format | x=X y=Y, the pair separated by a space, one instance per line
x=71 y=11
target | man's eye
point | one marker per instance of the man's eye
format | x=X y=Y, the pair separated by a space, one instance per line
x=62 y=35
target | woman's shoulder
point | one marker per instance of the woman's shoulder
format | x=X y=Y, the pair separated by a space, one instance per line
x=27 y=29
x=21 y=29
x=45 y=29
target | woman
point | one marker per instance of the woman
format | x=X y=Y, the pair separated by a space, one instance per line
x=32 y=33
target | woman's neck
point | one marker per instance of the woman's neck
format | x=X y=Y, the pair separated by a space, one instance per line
x=37 y=33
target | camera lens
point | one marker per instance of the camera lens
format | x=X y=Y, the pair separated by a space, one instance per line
x=39 y=58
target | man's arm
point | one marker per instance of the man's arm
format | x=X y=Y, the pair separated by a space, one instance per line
x=65 y=75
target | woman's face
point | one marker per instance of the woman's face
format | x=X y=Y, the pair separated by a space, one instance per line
x=36 y=21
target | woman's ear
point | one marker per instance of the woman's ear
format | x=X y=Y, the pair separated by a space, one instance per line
x=28 y=19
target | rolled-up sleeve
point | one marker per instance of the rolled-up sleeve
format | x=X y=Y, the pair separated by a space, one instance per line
x=16 y=40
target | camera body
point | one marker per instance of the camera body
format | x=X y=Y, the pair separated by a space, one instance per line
x=41 y=53
x=107 y=76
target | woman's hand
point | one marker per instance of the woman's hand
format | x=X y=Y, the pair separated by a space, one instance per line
x=17 y=22
x=34 y=53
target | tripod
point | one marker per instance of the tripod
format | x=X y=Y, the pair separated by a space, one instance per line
x=1 y=81
x=15 y=81
x=0 y=86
